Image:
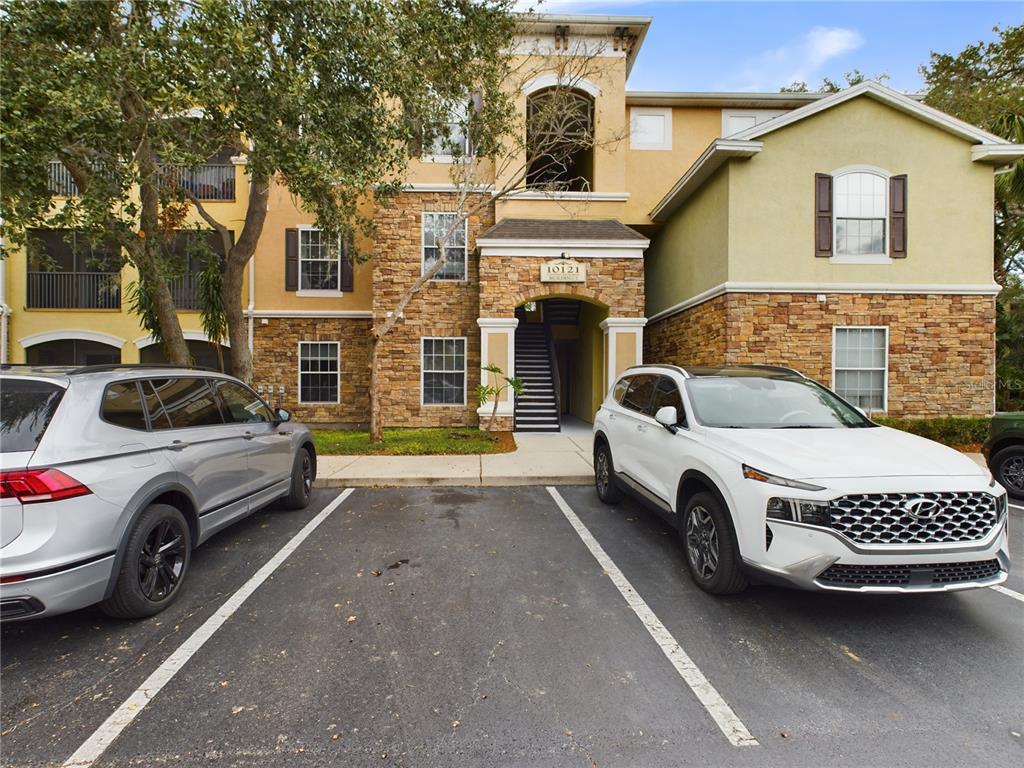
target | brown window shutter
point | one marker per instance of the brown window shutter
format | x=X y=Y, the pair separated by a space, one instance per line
x=898 y=217
x=291 y=259
x=346 y=267
x=822 y=215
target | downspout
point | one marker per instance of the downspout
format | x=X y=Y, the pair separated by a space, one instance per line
x=252 y=298
x=5 y=310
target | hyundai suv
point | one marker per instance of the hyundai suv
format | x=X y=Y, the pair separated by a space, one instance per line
x=111 y=475
x=771 y=476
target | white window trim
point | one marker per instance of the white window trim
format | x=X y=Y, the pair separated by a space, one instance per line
x=423 y=247
x=315 y=292
x=337 y=388
x=665 y=112
x=465 y=370
x=885 y=371
x=870 y=258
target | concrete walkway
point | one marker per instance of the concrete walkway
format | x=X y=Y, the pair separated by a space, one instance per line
x=543 y=459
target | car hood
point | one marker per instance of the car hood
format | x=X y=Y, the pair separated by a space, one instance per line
x=843 y=453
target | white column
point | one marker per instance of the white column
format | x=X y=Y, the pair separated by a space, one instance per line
x=503 y=328
x=630 y=330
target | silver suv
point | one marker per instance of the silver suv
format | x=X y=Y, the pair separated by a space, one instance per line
x=111 y=475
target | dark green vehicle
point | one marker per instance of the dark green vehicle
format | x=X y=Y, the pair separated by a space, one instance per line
x=1004 y=450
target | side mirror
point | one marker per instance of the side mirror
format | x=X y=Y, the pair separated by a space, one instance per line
x=668 y=417
x=283 y=414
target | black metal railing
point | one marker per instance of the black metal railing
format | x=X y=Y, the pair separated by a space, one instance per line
x=207 y=182
x=61 y=183
x=185 y=291
x=74 y=290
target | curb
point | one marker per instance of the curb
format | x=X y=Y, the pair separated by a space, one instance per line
x=474 y=482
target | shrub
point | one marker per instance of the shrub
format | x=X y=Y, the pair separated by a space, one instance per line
x=954 y=431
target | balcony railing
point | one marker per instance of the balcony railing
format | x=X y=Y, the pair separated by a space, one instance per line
x=207 y=182
x=74 y=290
x=61 y=183
x=185 y=291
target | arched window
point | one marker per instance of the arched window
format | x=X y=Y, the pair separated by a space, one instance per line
x=861 y=213
x=560 y=140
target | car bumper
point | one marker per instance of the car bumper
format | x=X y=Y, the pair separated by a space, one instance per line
x=809 y=557
x=56 y=592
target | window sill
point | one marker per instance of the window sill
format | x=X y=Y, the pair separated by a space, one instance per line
x=444 y=405
x=443 y=159
x=879 y=258
x=312 y=293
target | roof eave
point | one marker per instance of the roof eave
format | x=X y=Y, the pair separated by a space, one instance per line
x=997 y=154
x=711 y=159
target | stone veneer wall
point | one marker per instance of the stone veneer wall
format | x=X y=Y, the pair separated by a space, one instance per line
x=442 y=308
x=276 y=363
x=508 y=281
x=941 y=347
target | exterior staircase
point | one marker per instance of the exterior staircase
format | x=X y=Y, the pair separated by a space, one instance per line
x=537 y=407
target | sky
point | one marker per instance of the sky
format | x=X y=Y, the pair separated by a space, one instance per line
x=763 y=46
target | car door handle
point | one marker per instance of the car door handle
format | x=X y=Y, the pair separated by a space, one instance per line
x=641 y=427
x=611 y=417
x=248 y=435
x=178 y=445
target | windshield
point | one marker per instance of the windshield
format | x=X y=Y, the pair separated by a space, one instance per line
x=755 y=402
x=26 y=408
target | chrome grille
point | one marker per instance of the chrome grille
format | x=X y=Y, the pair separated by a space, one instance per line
x=882 y=518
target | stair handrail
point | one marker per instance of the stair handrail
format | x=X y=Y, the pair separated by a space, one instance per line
x=555 y=378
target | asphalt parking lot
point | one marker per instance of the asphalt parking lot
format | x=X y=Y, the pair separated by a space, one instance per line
x=476 y=627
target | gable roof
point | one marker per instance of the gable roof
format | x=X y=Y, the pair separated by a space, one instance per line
x=988 y=148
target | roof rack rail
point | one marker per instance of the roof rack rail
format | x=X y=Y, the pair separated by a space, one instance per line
x=779 y=368
x=106 y=367
x=660 y=365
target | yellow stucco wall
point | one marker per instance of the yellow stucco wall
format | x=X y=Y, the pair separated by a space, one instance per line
x=588 y=363
x=949 y=200
x=691 y=252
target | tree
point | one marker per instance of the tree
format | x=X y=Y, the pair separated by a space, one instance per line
x=326 y=97
x=486 y=393
x=828 y=85
x=984 y=85
x=509 y=150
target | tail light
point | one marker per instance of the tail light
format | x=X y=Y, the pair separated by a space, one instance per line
x=31 y=486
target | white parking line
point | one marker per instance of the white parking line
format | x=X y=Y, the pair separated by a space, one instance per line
x=1008 y=592
x=1017 y=507
x=720 y=712
x=103 y=737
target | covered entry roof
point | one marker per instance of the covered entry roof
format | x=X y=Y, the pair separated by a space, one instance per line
x=544 y=231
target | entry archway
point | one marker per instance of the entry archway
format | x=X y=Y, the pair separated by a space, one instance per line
x=72 y=347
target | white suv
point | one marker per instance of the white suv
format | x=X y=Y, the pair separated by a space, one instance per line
x=767 y=474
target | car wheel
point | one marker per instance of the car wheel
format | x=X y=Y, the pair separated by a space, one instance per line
x=156 y=559
x=303 y=474
x=711 y=554
x=1008 y=468
x=604 y=476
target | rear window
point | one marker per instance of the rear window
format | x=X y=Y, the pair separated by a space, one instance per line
x=123 y=406
x=26 y=408
x=179 y=403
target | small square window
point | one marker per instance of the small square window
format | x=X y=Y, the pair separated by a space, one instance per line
x=650 y=128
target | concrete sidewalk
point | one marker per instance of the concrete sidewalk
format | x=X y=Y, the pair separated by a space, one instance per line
x=543 y=459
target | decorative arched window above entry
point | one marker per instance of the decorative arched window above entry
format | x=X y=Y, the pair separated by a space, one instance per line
x=560 y=140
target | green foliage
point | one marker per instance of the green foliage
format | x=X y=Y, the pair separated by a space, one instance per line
x=1010 y=346
x=486 y=393
x=212 y=313
x=828 y=85
x=954 y=431
x=139 y=296
x=410 y=442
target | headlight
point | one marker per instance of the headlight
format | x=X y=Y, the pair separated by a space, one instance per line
x=799 y=510
x=755 y=474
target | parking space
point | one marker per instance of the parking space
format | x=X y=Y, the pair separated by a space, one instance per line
x=446 y=626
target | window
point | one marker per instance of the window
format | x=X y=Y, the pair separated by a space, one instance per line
x=666 y=394
x=319 y=371
x=122 y=405
x=242 y=404
x=26 y=408
x=638 y=396
x=736 y=120
x=435 y=226
x=448 y=140
x=860 y=367
x=620 y=389
x=181 y=403
x=319 y=262
x=860 y=213
x=444 y=371
x=650 y=128
x=560 y=140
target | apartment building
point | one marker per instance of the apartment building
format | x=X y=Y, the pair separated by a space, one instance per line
x=847 y=235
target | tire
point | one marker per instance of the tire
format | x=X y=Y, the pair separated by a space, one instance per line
x=604 y=475
x=712 y=557
x=303 y=475
x=156 y=560
x=1008 y=468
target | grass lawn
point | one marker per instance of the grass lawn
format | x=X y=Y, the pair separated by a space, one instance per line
x=413 y=442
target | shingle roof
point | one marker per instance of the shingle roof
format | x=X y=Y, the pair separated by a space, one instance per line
x=560 y=229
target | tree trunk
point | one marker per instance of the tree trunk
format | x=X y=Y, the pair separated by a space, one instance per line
x=238 y=327
x=494 y=411
x=376 y=428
